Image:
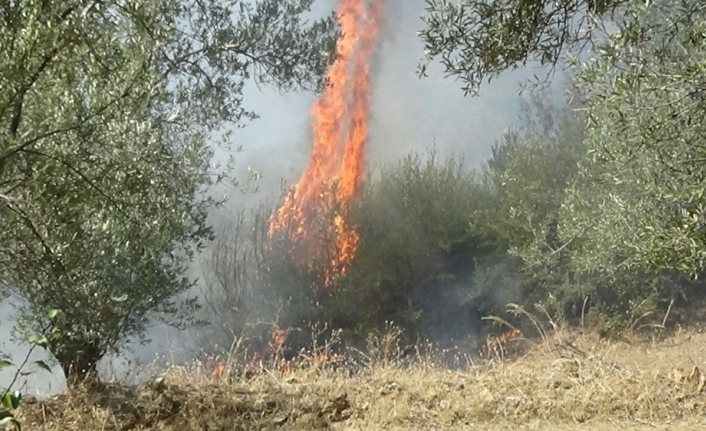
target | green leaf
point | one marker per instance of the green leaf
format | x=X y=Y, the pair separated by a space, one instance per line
x=5 y=364
x=43 y=365
x=7 y=401
x=53 y=313
x=38 y=341
x=121 y=298
x=16 y=399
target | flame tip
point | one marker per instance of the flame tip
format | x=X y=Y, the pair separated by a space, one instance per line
x=340 y=131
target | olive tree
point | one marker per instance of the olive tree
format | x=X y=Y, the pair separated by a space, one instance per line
x=640 y=200
x=476 y=40
x=110 y=112
x=529 y=173
x=531 y=168
x=632 y=219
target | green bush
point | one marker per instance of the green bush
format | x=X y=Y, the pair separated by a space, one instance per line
x=421 y=236
x=441 y=246
x=534 y=174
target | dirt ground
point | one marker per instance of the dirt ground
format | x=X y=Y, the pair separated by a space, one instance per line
x=548 y=426
x=570 y=382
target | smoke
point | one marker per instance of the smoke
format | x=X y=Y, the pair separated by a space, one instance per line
x=410 y=113
x=407 y=114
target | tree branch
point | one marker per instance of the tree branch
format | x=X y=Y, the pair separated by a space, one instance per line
x=22 y=146
x=84 y=178
x=22 y=92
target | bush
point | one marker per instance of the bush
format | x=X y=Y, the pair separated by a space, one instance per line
x=421 y=236
x=533 y=176
x=421 y=225
x=251 y=283
x=440 y=247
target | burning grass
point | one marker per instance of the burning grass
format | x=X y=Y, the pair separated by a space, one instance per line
x=569 y=382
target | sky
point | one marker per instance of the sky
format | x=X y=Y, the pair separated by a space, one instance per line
x=407 y=114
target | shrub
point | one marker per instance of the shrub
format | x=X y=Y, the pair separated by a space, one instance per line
x=421 y=236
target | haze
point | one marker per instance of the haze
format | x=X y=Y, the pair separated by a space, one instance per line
x=407 y=114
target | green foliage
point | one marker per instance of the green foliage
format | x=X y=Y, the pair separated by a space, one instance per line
x=476 y=40
x=528 y=175
x=107 y=113
x=10 y=402
x=641 y=195
x=615 y=212
x=417 y=250
x=529 y=172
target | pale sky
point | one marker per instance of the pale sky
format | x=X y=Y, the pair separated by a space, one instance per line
x=406 y=114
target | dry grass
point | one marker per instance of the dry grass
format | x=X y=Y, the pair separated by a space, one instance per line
x=568 y=383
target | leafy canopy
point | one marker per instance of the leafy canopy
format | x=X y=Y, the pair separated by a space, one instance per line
x=109 y=112
x=476 y=40
x=641 y=194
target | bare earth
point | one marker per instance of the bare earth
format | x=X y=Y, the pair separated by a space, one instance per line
x=571 y=382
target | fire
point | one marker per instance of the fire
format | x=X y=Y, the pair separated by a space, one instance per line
x=497 y=346
x=337 y=160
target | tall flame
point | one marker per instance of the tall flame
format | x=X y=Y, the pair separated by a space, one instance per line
x=336 y=164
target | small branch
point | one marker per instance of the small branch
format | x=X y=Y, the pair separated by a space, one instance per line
x=20 y=147
x=83 y=177
x=19 y=370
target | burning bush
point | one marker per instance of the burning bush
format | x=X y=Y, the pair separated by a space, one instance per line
x=421 y=238
x=414 y=265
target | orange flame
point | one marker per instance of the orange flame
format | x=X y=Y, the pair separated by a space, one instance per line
x=340 y=131
x=496 y=346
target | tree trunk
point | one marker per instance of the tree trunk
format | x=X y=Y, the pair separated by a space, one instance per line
x=79 y=361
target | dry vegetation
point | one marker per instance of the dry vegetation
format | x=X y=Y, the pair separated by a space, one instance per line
x=571 y=380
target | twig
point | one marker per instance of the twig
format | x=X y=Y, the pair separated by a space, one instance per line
x=666 y=315
x=583 y=310
x=23 y=364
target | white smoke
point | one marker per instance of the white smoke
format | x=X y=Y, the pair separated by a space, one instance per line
x=407 y=113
